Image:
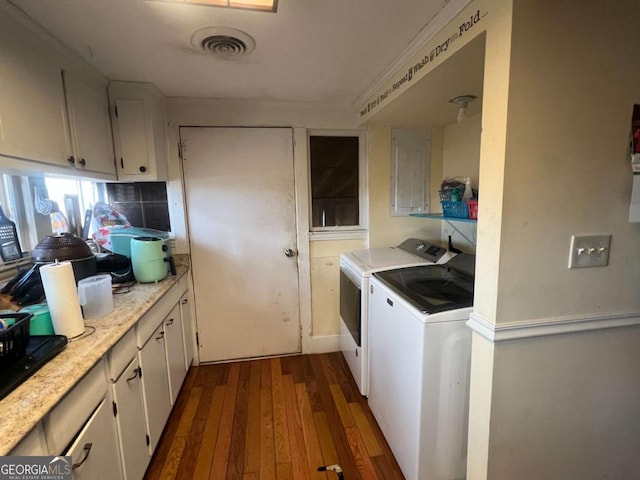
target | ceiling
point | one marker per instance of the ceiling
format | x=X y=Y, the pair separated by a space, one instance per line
x=426 y=103
x=328 y=51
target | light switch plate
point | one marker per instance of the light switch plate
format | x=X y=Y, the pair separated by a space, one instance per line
x=589 y=251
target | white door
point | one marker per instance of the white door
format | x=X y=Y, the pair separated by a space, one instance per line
x=239 y=186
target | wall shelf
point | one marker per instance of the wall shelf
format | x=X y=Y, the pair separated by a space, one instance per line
x=449 y=220
x=439 y=216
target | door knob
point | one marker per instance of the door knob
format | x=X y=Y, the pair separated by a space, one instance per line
x=289 y=252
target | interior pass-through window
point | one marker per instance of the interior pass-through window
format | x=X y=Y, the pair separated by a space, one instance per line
x=336 y=186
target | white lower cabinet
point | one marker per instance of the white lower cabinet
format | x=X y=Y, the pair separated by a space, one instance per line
x=94 y=452
x=155 y=384
x=34 y=444
x=174 y=346
x=129 y=414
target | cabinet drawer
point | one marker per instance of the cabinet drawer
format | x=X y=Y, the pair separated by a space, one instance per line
x=121 y=354
x=64 y=421
x=95 y=452
x=156 y=314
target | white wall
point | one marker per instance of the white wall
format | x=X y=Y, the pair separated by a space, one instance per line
x=385 y=230
x=571 y=95
x=566 y=407
x=563 y=405
x=461 y=158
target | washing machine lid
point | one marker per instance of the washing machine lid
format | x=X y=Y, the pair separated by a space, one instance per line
x=412 y=251
x=431 y=288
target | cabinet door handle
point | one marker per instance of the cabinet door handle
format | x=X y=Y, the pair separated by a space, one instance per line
x=136 y=372
x=71 y=160
x=121 y=162
x=86 y=449
x=185 y=301
x=160 y=336
x=82 y=162
x=170 y=321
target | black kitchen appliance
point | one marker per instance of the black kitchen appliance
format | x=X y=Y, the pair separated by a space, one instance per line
x=39 y=351
x=116 y=265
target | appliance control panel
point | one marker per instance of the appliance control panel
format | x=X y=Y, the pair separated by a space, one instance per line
x=423 y=248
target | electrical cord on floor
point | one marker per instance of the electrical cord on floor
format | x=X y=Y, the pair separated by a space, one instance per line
x=335 y=468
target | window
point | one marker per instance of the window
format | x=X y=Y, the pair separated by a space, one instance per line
x=19 y=195
x=144 y=204
x=336 y=180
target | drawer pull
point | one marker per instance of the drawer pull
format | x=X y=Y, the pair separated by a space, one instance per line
x=86 y=449
x=136 y=372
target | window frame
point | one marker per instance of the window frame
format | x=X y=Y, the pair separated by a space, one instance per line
x=341 y=231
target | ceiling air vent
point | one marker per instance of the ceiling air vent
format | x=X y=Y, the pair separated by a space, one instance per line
x=223 y=42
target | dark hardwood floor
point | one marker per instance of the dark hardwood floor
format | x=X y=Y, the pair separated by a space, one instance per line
x=278 y=418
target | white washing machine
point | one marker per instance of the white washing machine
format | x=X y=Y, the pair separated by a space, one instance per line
x=420 y=357
x=356 y=268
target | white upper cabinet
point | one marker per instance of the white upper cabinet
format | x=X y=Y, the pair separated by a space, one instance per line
x=90 y=127
x=54 y=108
x=32 y=109
x=139 y=122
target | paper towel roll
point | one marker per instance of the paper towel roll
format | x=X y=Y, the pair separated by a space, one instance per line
x=62 y=297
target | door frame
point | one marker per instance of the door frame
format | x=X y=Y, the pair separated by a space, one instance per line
x=301 y=201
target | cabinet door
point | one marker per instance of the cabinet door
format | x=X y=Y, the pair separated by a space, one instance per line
x=88 y=108
x=32 y=110
x=95 y=451
x=132 y=431
x=155 y=385
x=139 y=121
x=132 y=146
x=174 y=344
x=187 y=329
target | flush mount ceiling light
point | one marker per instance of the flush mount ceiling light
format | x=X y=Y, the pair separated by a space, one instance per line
x=463 y=103
x=260 y=5
x=223 y=42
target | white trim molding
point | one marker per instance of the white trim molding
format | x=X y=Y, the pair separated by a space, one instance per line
x=320 y=344
x=549 y=326
x=441 y=20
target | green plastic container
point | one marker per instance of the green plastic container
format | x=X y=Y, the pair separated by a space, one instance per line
x=41 y=320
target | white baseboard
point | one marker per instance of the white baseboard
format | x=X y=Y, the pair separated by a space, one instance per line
x=321 y=344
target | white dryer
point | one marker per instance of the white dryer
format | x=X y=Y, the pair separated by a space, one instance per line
x=356 y=268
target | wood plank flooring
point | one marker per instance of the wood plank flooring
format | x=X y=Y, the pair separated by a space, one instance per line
x=272 y=419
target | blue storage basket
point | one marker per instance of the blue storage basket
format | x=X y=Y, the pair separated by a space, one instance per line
x=455 y=209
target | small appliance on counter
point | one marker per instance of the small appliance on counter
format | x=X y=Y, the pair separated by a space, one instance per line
x=116 y=265
x=25 y=288
x=121 y=237
x=150 y=260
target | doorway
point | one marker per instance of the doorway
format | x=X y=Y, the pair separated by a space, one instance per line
x=239 y=189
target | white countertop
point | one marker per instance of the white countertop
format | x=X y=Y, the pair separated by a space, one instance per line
x=23 y=408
